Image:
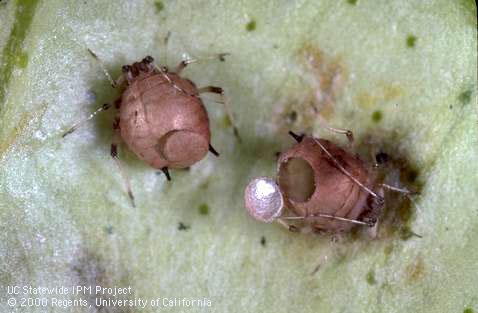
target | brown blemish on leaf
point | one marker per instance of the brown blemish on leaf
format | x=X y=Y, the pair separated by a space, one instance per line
x=15 y=132
x=399 y=212
x=387 y=251
x=378 y=94
x=20 y=128
x=247 y=263
x=415 y=270
x=263 y=241
x=91 y=270
x=391 y=92
x=322 y=81
x=366 y=100
x=328 y=77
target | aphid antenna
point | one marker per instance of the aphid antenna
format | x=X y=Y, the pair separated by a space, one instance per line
x=113 y=83
x=348 y=133
x=104 y=107
x=337 y=163
x=220 y=56
x=399 y=190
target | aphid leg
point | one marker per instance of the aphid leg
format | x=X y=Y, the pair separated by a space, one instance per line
x=225 y=103
x=166 y=173
x=348 y=133
x=407 y=193
x=114 y=83
x=292 y=228
x=399 y=190
x=320 y=215
x=378 y=198
x=114 y=155
x=375 y=213
x=213 y=151
x=104 y=107
x=182 y=65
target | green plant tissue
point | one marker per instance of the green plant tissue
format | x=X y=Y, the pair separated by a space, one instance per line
x=401 y=74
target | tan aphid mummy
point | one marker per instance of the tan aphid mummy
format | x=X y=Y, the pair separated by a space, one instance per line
x=161 y=117
x=312 y=184
x=162 y=120
x=320 y=184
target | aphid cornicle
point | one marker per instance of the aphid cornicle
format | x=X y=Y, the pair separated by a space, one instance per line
x=161 y=117
x=320 y=184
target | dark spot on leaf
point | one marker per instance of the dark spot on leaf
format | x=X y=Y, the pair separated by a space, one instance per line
x=465 y=97
x=182 y=226
x=263 y=241
x=468 y=310
x=415 y=270
x=352 y=2
x=251 y=26
x=388 y=250
x=292 y=117
x=203 y=209
x=411 y=41
x=159 y=5
x=227 y=121
x=371 y=278
x=405 y=212
x=377 y=116
x=90 y=270
x=109 y=229
x=409 y=175
x=381 y=158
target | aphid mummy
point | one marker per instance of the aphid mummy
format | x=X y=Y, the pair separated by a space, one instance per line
x=321 y=185
x=312 y=183
x=161 y=116
x=162 y=119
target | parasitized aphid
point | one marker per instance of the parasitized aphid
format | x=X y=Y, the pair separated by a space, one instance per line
x=160 y=116
x=320 y=185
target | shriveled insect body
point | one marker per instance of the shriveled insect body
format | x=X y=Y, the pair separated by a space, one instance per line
x=162 y=119
x=312 y=184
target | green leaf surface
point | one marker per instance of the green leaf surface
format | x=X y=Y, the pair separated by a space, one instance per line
x=401 y=74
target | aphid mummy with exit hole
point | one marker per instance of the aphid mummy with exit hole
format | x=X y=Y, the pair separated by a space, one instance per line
x=322 y=185
x=161 y=117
